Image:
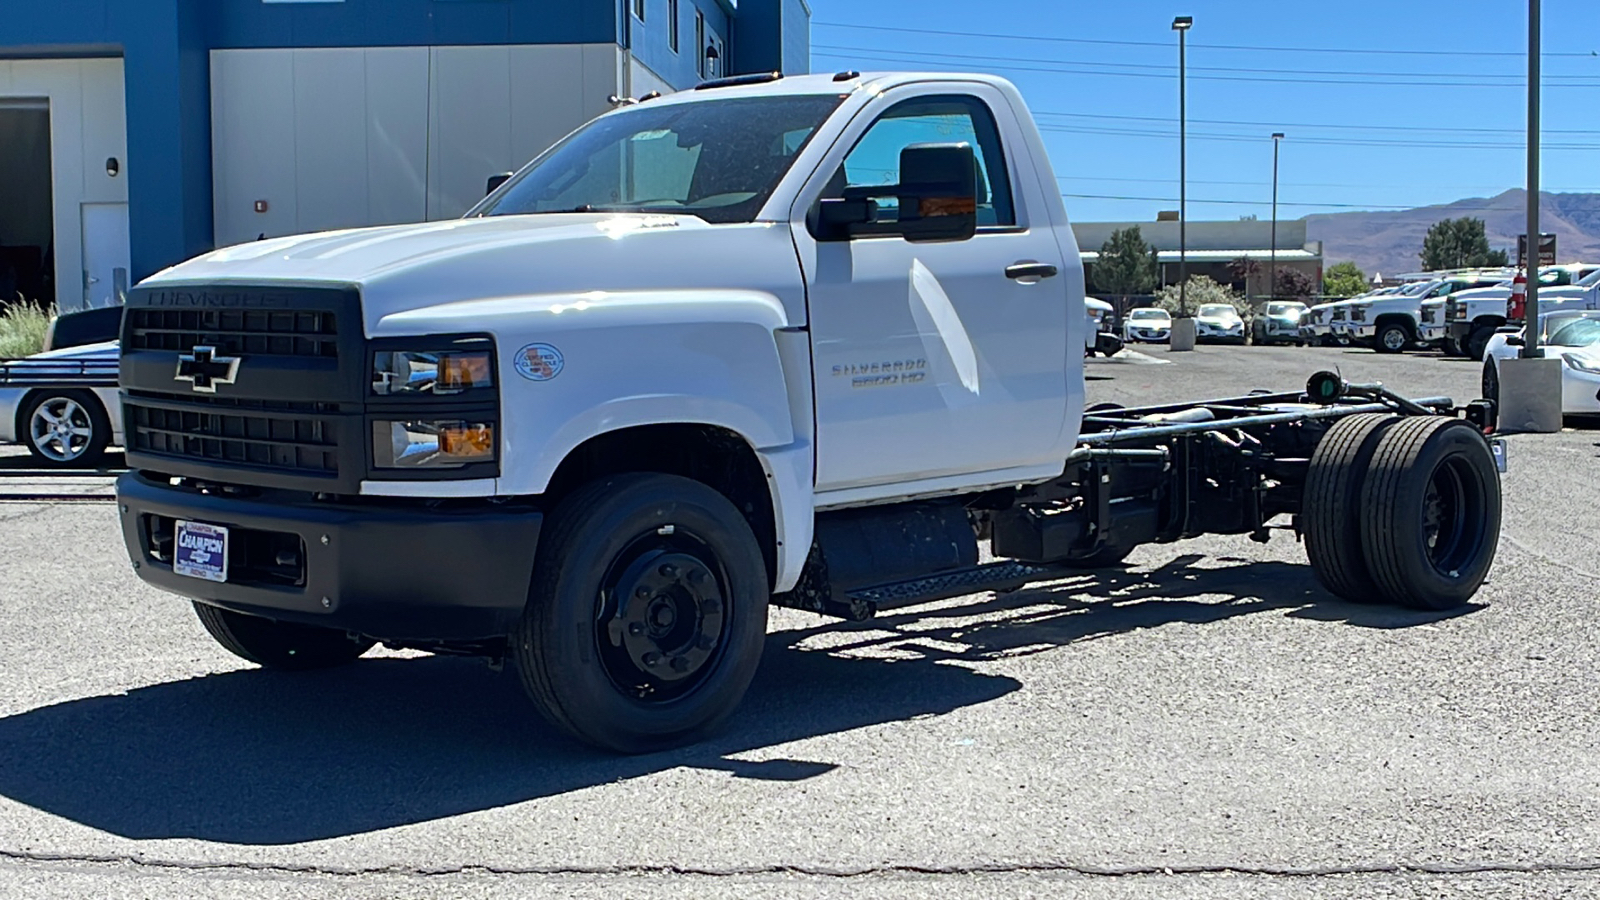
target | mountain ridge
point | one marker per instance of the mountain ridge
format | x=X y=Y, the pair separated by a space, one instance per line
x=1390 y=242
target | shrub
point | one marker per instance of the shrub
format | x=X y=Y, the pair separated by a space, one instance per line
x=1203 y=290
x=22 y=328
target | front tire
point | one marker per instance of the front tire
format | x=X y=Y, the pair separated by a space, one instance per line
x=1491 y=381
x=1478 y=342
x=279 y=645
x=647 y=613
x=1391 y=339
x=1431 y=513
x=65 y=429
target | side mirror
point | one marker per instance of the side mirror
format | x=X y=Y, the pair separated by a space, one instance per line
x=937 y=196
x=496 y=180
x=938 y=192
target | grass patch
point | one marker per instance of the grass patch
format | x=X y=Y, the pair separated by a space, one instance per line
x=22 y=327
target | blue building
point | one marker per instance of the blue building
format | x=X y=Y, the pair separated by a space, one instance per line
x=135 y=134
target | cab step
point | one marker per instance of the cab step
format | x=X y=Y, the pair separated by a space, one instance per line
x=997 y=576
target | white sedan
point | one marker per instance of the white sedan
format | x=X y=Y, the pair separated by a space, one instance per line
x=1574 y=337
x=62 y=404
x=1148 y=324
x=1219 y=322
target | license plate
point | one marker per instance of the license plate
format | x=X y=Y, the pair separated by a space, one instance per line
x=201 y=551
x=1498 y=446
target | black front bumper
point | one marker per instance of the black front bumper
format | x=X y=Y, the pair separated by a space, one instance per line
x=393 y=571
x=1458 y=331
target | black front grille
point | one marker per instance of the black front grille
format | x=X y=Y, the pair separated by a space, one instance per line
x=288 y=437
x=254 y=332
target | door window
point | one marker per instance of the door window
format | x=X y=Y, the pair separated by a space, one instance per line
x=875 y=161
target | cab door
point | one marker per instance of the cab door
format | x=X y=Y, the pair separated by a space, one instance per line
x=937 y=359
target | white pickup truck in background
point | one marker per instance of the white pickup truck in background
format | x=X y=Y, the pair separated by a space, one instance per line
x=815 y=342
x=1472 y=316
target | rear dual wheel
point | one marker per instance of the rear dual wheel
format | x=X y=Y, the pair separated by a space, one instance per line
x=1402 y=510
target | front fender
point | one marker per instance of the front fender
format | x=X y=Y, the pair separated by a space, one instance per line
x=605 y=361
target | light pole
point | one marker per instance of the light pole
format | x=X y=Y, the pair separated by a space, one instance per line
x=1272 y=265
x=1530 y=345
x=1183 y=329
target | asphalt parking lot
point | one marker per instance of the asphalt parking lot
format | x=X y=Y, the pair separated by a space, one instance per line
x=1207 y=723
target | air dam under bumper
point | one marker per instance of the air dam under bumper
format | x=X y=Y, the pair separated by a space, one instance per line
x=391 y=572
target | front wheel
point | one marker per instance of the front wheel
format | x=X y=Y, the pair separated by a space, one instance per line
x=279 y=645
x=1478 y=341
x=647 y=613
x=1391 y=339
x=65 y=429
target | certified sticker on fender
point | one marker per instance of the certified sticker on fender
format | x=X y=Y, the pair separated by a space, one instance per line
x=201 y=551
x=539 y=362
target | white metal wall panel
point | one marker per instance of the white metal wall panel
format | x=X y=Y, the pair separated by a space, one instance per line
x=470 y=125
x=335 y=138
x=88 y=125
x=397 y=135
x=253 y=144
x=330 y=139
x=544 y=107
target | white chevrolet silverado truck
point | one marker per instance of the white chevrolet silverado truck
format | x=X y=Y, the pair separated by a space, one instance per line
x=813 y=342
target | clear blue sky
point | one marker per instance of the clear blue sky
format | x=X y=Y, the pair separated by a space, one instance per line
x=1396 y=128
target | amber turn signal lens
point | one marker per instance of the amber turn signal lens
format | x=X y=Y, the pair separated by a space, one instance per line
x=467 y=442
x=463 y=371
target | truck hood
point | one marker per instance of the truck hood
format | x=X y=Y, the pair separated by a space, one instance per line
x=540 y=261
x=363 y=256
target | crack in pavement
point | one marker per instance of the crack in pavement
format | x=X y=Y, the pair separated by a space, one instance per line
x=840 y=872
x=1546 y=558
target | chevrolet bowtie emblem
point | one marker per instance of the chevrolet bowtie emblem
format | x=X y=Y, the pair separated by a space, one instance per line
x=204 y=369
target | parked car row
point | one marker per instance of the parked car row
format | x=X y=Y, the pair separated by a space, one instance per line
x=1458 y=312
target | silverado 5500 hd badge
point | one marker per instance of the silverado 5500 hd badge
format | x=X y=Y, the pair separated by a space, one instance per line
x=883 y=374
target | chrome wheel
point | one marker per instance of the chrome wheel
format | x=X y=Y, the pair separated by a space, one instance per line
x=61 y=429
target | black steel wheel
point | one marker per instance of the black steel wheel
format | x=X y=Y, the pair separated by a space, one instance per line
x=647 y=613
x=1491 y=381
x=1330 y=509
x=1431 y=513
x=64 y=428
x=1478 y=341
x=280 y=645
x=1391 y=338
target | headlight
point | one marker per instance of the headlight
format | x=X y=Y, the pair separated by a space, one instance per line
x=431 y=444
x=435 y=372
x=1582 y=365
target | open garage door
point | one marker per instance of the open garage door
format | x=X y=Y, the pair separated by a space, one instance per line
x=27 y=220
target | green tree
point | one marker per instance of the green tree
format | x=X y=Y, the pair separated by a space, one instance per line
x=1127 y=265
x=1343 y=280
x=1459 y=244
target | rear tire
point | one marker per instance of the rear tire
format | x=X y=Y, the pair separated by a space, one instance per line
x=1331 y=506
x=1431 y=513
x=647 y=613
x=279 y=645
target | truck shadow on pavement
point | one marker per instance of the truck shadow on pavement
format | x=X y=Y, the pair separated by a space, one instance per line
x=267 y=758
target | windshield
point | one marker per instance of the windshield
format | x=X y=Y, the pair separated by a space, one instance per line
x=1581 y=332
x=1591 y=279
x=1149 y=314
x=716 y=159
x=1217 y=309
x=1285 y=309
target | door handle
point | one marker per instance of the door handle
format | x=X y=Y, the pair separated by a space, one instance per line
x=1031 y=270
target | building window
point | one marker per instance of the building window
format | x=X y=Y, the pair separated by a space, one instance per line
x=700 y=42
x=672 y=24
x=638 y=9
